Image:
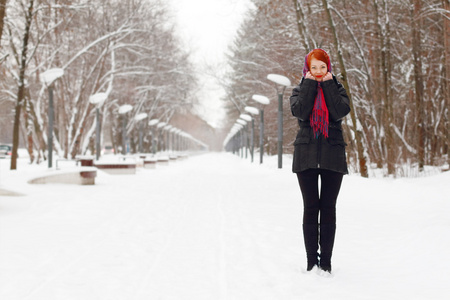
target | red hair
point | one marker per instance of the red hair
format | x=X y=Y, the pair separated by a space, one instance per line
x=318 y=54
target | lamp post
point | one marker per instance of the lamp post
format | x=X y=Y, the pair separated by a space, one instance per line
x=179 y=140
x=97 y=100
x=169 y=146
x=138 y=118
x=238 y=138
x=160 y=138
x=174 y=132
x=152 y=123
x=47 y=78
x=183 y=141
x=123 y=110
x=281 y=82
x=264 y=101
x=230 y=142
x=241 y=132
x=252 y=111
x=247 y=119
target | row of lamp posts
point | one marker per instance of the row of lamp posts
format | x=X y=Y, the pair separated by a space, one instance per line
x=182 y=139
x=175 y=138
x=237 y=134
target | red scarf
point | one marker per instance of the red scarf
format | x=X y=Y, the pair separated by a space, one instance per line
x=319 y=116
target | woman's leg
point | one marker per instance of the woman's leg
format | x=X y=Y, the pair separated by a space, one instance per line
x=309 y=186
x=308 y=181
x=329 y=191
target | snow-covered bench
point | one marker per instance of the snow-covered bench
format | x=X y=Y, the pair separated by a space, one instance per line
x=163 y=160
x=115 y=168
x=86 y=161
x=150 y=163
x=81 y=175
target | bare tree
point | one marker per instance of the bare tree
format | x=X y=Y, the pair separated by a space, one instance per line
x=416 y=36
x=446 y=74
x=383 y=24
x=2 y=17
x=381 y=61
x=28 y=14
x=126 y=49
x=361 y=156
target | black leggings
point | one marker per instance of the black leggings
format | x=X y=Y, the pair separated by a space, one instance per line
x=325 y=203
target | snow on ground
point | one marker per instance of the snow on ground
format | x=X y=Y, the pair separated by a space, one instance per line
x=216 y=226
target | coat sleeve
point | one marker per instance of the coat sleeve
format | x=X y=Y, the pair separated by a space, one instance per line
x=302 y=99
x=336 y=99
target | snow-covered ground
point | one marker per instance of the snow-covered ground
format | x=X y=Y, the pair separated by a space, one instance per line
x=216 y=226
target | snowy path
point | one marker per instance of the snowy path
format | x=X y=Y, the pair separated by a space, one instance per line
x=218 y=227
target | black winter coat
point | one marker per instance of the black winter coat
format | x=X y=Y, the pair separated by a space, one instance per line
x=319 y=153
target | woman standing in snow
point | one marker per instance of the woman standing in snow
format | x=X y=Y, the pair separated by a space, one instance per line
x=319 y=103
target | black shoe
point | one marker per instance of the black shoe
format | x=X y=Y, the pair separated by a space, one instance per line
x=311 y=237
x=311 y=265
x=327 y=234
x=325 y=268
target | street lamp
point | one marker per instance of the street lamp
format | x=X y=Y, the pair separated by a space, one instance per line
x=242 y=137
x=47 y=78
x=281 y=82
x=174 y=132
x=247 y=119
x=97 y=100
x=123 y=110
x=160 y=138
x=238 y=137
x=152 y=123
x=230 y=142
x=168 y=142
x=264 y=101
x=252 y=111
x=138 y=118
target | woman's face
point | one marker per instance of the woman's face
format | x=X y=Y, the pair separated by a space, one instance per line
x=318 y=69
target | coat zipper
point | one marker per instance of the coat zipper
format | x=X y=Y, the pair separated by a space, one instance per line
x=319 y=149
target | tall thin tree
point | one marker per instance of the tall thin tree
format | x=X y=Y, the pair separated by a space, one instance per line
x=385 y=46
x=2 y=17
x=416 y=7
x=21 y=90
x=360 y=148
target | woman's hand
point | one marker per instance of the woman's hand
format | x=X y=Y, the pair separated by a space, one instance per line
x=309 y=76
x=328 y=76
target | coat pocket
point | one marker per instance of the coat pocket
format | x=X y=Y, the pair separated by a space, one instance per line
x=302 y=140
x=335 y=137
x=303 y=136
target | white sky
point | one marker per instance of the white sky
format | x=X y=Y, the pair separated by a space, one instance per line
x=207 y=27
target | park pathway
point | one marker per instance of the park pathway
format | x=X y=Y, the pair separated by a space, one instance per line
x=213 y=226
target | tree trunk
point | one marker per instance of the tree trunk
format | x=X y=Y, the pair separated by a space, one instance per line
x=361 y=157
x=29 y=129
x=21 y=90
x=301 y=25
x=418 y=81
x=2 y=16
x=446 y=75
x=386 y=84
x=41 y=143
